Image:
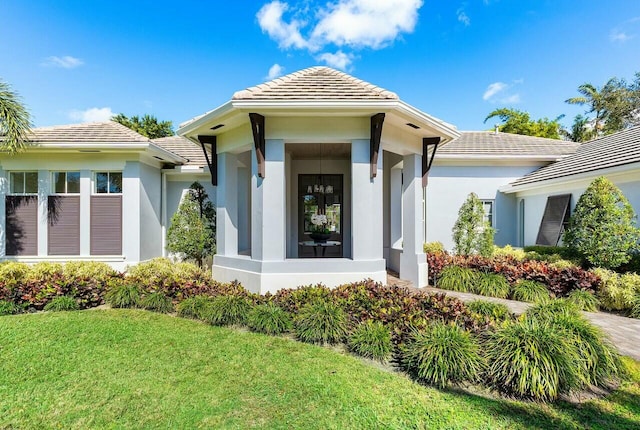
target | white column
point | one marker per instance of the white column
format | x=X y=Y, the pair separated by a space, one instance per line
x=85 y=212
x=268 y=205
x=413 y=262
x=131 y=212
x=227 y=205
x=395 y=218
x=44 y=188
x=366 y=204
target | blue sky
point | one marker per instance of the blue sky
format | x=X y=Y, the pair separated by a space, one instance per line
x=74 y=61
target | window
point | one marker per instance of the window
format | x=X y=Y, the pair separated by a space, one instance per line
x=487 y=205
x=23 y=182
x=66 y=182
x=108 y=182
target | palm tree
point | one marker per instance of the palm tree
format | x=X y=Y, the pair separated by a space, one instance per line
x=596 y=101
x=581 y=130
x=15 y=122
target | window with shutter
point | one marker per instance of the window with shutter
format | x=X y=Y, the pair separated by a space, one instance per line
x=554 y=220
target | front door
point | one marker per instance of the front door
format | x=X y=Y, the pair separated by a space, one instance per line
x=320 y=195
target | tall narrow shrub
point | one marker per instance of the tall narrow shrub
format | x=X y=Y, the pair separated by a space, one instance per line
x=471 y=233
x=602 y=227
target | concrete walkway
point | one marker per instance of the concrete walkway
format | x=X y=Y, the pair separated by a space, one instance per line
x=623 y=332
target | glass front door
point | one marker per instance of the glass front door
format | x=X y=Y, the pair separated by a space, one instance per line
x=320 y=204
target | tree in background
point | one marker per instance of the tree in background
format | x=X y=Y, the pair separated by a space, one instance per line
x=615 y=106
x=581 y=130
x=15 y=122
x=471 y=233
x=193 y=226
x=602 y=228
x=148 y=125
x=519 y=122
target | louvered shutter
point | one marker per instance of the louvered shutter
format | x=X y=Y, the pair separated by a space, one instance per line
x=556 y=216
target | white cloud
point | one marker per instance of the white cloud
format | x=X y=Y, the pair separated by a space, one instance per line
x=339 y=60
x=511 y=99
x=353 y=24
x=494 y=89
x=66 y=62
x=92 y=114
x=463 y=17
x=275 y=71
x=619 y=36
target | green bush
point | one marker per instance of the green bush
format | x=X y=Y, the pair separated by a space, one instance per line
x=530 y=291
x=442 y=354
x=471 y=234
x=552 y=308
x=371 y=339
x=157 y=302
x=530 y=359
x=560 y=252
x=44 y=270
x=635 y=309
x=123 y=296
x=269 y=318
x=456 y=278
x=491 y=285
x=509 y=251
x=494 y=311
x=321 y=321
x=294 y=299
x=13 y=273
x=602 y=227
x=196 y=307
x=9 y=308
x=617 y=292
x=88 y=270
x=433 y=247
x=584 y=300
x=62 y=303
x=228 y=310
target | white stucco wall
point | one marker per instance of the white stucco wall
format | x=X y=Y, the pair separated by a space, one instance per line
x=448 y=188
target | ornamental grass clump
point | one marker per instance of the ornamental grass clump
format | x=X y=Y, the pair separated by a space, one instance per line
x=9 y=308
x=228 y=310
x=635 y=309
x=371 y=339
x=123 y=296
x=491 y=285
x=493 y=311
x=157 y=302
x=617 y=291
x=196 y=307
x=62 y=303
x=529 y=291
x=442 y=354
x=269 y=318
x=584 y=300
x=321 y=321
x=457 y=278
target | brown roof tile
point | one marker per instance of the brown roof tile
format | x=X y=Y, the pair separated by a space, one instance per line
x=96 y=132
x=487 y=143
x=183 y=147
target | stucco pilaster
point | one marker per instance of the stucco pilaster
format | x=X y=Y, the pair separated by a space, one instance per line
x=227 y=205
x=413 y=262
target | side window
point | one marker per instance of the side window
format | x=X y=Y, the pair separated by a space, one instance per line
x=66 y=183
x=23 y=182
x=108 y=183
x=488 y=206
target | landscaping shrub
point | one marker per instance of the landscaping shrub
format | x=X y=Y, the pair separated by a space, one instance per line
x=530 y=359
x=509 y=251
x=294 y=299
x=550 y=309
x=13 y=273
x=584 y=300
x=62 y=303
x=471 y=233
x=88 y=270
x=494 y=311
x=617 y=292
x=530 y=291
x=321 y=321
x=228 y=310
x=442 y=354
x=433 y=247
x=371 y=339
x=602 y=227
x=157 y=302
x=123 y=296
x=635 y=309
x=491 y=285
x=561 y=252
x=456 y=278
x=9 y=308
x=269 y=318
x=196 y=307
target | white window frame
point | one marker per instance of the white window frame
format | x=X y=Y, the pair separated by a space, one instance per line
x=492 y=213
x=66 y=183
x=109 y=173
x=24 y=182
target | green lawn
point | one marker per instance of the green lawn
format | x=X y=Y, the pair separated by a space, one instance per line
x=135 y=369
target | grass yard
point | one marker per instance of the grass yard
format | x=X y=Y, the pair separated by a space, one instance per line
x=136 y=369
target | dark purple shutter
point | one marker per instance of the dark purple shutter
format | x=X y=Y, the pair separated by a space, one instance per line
x=554 y=220
x=21 y=225
x=64 y=225
x=106 y=225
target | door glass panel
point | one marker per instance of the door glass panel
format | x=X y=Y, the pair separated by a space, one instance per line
x=310 y=207
x=31 y=182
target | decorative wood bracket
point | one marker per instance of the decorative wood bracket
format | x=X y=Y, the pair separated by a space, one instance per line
x=376 y=133
x=257 y=125
x=427 y=160
x=210 y=149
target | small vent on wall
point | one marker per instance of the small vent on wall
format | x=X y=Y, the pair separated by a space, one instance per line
x=412 y=125
x=215 y=127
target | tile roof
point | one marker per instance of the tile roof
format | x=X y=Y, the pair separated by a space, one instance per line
x=183 y=147
x=487 y=143
x=96 y=132
x=609 y=151
x=316 y=83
